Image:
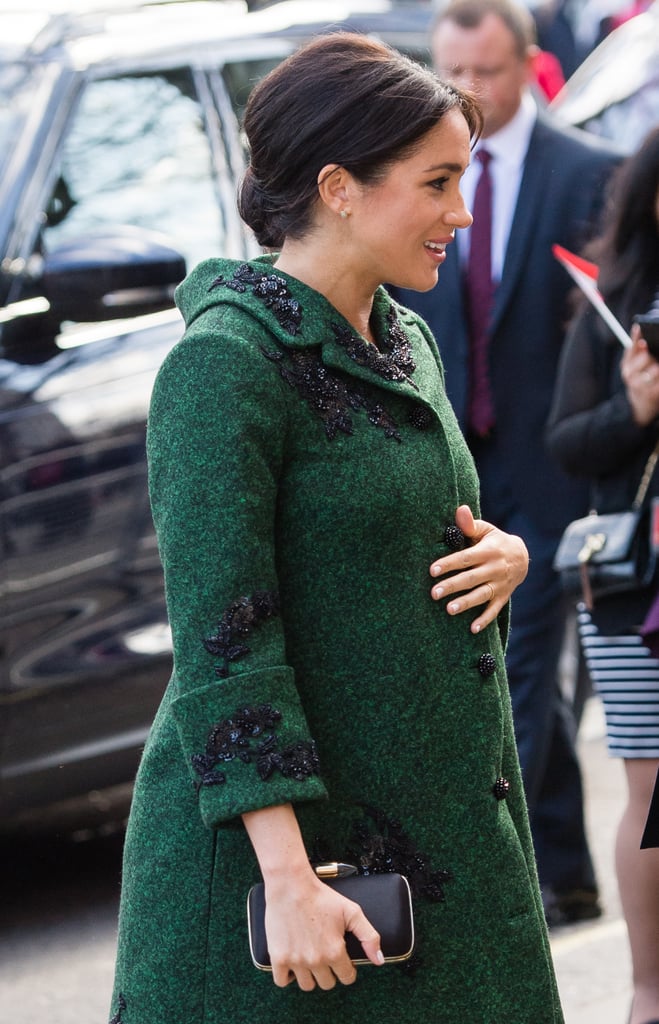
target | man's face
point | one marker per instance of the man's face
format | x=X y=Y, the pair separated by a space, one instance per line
x=484 y=60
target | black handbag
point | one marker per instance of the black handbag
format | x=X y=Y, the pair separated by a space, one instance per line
x=601 y=555
x=385 y=899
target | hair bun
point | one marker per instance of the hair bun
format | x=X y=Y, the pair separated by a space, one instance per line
x=255 y=209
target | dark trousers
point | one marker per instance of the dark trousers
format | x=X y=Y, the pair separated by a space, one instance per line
x=545 y=724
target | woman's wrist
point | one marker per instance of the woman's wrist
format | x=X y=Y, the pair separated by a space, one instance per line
x=275 y=835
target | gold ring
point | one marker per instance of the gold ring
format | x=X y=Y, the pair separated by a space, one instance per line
x=491 y=591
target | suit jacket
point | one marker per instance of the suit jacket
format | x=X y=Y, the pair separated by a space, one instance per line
x=560 y=197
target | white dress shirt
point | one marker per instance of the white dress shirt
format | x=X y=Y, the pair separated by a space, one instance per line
x=508 y=147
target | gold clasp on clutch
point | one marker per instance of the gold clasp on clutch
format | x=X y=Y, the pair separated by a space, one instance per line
x=594 y=543
x=334 y=869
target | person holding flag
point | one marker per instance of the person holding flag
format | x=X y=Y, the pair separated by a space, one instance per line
x=603 y=426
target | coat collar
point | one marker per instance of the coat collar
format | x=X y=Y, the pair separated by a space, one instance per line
x=299 y=317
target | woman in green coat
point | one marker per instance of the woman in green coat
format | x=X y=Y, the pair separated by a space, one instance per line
x=337 y=610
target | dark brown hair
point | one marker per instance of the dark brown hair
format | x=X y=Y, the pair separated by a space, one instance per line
x=627 y=251
x=342 y=99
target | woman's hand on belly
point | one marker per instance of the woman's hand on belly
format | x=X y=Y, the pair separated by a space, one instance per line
x=484 y=573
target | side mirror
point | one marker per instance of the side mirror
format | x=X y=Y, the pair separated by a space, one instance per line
x=105 y=276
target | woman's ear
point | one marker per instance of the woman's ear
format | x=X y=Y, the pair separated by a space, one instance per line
x=334 y=189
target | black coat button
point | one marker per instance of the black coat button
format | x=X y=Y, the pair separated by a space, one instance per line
x=501 y=788
x=487 y=665
x=454 y=537
x=421 y=417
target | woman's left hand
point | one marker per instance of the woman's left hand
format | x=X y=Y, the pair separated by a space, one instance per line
x=640 y=373
x=484 y=573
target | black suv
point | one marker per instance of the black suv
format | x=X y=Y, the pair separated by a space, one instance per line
x=119 y=156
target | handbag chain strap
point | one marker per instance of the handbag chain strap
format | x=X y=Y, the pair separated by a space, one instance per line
x=650 y=466
x=595 y=542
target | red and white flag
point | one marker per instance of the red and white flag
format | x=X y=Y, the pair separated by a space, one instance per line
x=585 y=273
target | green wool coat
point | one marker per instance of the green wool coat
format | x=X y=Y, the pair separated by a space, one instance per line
x=302 y=481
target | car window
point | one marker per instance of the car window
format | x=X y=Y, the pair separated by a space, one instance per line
x=137 y=154
x=241 y=76
x=21 y=92
x=11 y=115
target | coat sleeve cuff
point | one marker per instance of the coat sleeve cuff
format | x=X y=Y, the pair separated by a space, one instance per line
x=247 y=745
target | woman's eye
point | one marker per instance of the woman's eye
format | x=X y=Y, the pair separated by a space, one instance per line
x=438 y=184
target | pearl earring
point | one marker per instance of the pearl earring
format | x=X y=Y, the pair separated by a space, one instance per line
x=344 y=214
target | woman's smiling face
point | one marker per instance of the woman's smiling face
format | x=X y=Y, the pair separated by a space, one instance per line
x=402 y=224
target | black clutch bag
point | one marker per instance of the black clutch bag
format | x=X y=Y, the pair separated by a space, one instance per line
x=385 y=899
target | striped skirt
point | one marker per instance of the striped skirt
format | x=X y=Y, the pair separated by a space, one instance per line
x=626 y=676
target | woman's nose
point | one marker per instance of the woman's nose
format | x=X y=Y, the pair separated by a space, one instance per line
x=460 y=217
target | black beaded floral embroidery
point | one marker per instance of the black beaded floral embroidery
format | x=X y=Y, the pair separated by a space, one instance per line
x=296 y=761
x=238 y=621
x=122 y=1006
x=383 y=845
x=394 y=362
x=379 y=844
x=234 y=739
x=231 y=739
x=328 y=394
x=274 y=291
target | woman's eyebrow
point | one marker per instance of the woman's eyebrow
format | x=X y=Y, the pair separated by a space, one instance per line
x=456 y=168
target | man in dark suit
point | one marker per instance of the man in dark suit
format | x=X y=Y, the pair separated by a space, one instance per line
x=500 y=340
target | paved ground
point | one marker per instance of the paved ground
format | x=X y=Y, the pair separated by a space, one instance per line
x=592 y=959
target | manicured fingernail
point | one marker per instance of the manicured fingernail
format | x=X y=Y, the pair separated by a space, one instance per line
x=453 y=608
x=435 y=570
x=379 y=956
x=475 y=628
x=438 y=592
